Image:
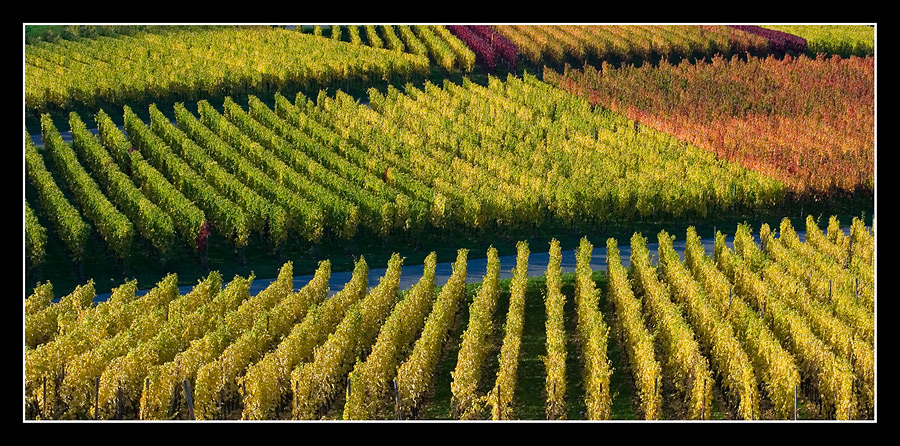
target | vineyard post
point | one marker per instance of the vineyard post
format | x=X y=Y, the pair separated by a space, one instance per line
x=795 y=402
x=189 y=399
x=55 y=406
x=146 y=391
x=396 y=400
x=656 y=395
x=120 y=402
x=96 y=396
x=703 y=402
x=499 y=409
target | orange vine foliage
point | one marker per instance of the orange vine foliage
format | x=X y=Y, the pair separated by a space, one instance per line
x=807 y=122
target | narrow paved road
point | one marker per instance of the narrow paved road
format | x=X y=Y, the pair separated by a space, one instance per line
x=476 y=268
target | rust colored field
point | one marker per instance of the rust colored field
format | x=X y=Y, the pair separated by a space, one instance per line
x=806 y=122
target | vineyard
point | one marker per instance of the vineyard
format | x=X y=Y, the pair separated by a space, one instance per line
x=738 y=333
x=184 y=155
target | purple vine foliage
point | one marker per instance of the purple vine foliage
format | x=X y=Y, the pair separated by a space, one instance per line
x=779 y=41
x=489 y=46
